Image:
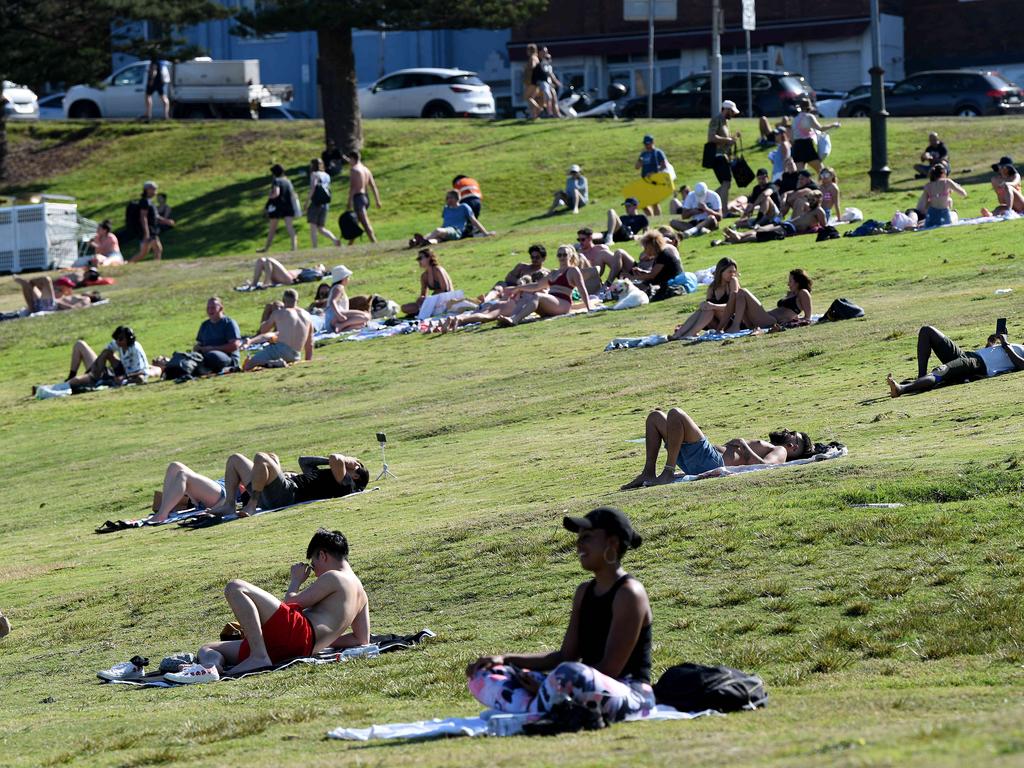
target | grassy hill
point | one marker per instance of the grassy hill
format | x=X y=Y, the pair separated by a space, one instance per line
x=886 y=636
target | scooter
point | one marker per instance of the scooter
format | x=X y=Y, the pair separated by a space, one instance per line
x=576 y=103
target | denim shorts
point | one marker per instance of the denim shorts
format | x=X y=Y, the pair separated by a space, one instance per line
x=937 y=217
x=699 y=457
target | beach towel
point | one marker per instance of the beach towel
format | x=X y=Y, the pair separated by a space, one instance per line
x=378 y=644
x=488 y=723
x=436 y=304
x=635 y=342
x=832 y=453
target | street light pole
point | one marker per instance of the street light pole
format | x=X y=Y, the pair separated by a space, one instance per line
x=879 y=172
x=650 y=59
x=716 y=56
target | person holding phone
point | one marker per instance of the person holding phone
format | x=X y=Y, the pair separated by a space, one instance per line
x=604 y=662
x=996 y=357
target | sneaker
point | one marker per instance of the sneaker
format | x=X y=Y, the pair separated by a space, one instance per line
x=176 y=662
x=194 y=673
x=126 y=670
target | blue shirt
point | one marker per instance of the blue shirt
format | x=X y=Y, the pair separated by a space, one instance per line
x=652 y=161
x=573 y=183
x=458 y=217
x=218 y=334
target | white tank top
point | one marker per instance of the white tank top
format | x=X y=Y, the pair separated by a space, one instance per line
x=802 y=126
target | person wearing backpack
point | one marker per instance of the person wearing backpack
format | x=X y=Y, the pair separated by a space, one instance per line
x=603 y=666
x=319 y=201
x=148 y=223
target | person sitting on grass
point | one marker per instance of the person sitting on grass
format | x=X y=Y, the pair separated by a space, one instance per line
x=1007 y=186
x=552 y=295
x=457 y=220
x=665 y=266
x=218 y=339
x=794 y=308
x=718 y=309
x=806 y=223
x=938 y=197
x=934 y=154
x=332 y=612
x=433 y=279
x=828 y=183
x=106 y=248
x=122 y=361
x=42 y=294
x=763 y=194
x=294 y=335
x=996 y=357
x=266 y=483
x=629 y=226
x=701 y=212
x=604 y=662
x=268 y=272
x=600 y=257
x=338 y=317
x=532 y=271
x=319 y=303
x=688 y=448
x=575 y=195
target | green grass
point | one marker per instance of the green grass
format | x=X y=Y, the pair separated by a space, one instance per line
x=886 y=636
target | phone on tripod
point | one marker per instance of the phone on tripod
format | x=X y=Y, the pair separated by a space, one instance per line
x=382 y=438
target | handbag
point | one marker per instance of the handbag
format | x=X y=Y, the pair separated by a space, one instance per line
x=741 y=169
x=824 y=145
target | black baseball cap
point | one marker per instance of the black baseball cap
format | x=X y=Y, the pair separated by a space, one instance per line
x=762 y=171
x=607 y=519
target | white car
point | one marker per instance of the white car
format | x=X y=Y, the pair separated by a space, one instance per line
x=120 y=95
x=21 y=102
x=52 y=107
x=427 y=93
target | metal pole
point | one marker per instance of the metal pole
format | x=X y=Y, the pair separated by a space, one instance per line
x=716 y=57
x=650 y=58
x=879 y=172
x=750 y=87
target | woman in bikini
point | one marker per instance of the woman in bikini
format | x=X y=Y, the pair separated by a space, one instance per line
x=1007 y=186
x=319 y=303
x=604 y=662
x=828 y=183
x=433 y=279
x=937 y=197
x=269 y=271
x=717 y=309
x=551 y=295
x=793 y=308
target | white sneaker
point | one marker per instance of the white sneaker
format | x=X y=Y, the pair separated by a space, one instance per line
x=194 y=673
x=126 y=670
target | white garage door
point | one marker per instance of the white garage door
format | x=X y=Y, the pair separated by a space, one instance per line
x=836 y=71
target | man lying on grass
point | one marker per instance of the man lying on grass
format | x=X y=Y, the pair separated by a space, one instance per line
x=302 y=624
x=266 y=483
x=997 y=356
x=604 y=663
x=688 y=448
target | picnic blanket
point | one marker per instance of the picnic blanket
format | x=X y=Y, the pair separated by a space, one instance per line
x=488 y=723
x=831 y=453
x=378 y=644
x=639 y=342
x=184 y=516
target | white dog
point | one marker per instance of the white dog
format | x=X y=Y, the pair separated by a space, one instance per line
x=627 y=295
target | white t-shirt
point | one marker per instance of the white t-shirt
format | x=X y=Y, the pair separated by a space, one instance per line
x=133 y=359
x=322 y=178
x=712 y=201
x=996 y=360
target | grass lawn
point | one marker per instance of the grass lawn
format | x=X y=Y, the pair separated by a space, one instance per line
x=885 y=636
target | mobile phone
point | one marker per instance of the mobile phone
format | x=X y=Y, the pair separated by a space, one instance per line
x=1000 y=326
x=382 y=438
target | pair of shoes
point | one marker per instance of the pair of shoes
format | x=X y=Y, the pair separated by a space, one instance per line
x=126 y=670
x=193 y=673
x=176 y=662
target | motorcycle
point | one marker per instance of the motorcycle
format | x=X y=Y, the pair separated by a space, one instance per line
x=579 y=103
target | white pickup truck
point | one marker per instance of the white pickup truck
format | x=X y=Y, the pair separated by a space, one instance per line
x=198 y=88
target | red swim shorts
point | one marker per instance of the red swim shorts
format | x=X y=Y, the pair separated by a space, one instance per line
x=287 y=634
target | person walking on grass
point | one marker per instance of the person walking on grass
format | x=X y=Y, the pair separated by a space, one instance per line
x=149 y=225
x=156 y=83
x=319 y=202
x=360 y=180
x=281 y=205
x=651 y=160
x=718 y=134
x=332 y=612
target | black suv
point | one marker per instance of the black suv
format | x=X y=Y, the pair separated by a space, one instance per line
x=774 y=93
x=945 y=92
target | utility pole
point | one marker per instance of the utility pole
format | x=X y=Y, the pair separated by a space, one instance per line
x=749 y=24
x=716 y=56
x=650 y=59
x=879 y=172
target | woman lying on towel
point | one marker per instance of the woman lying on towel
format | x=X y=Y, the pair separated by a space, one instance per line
x=792 y=309
x=604 y=664
x=42 y=294
x=688 y=448
x=268 y=271
x=718 y=309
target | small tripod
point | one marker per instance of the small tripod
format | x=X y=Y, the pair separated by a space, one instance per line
x=385 y=471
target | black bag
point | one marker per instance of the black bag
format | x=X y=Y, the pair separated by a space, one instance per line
x=708 y=159
x=694 y=688
x=741 y=170
x=320 y=195
x=842 y=309
x=131 y=218
x=828 y=232
x=348 y=223
x=765 y=235
x=184 y=364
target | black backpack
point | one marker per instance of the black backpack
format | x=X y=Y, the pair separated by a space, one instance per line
x=828 y=232
x=348 y=223
x=694 y=688
x=184 y=364
x=842 y=309
x=131 y=218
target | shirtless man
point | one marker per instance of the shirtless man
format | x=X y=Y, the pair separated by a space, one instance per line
x=600 y=256
x=521 y=274
x=302 y=624
x=688 y=448
x=360 y=178
x=810 y=220
x=294 y=332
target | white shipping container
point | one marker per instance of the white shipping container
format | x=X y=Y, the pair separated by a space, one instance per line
x=235 y=72
x=35 y=237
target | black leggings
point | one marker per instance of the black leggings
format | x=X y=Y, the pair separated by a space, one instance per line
x=957 y=365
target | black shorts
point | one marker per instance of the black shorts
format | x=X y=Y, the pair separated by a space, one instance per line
x=723 y=169
x=620 y=235
x=279 y=492
x=804 y=151
x=964 y=368
x=474 y=204
x=155 y=88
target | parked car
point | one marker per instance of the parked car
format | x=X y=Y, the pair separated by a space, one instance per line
x=21 y=102
x=51 y=107
x=282 y=113
x=945 y=92
x=427 y=93
x=830 y=103
x=774 y=93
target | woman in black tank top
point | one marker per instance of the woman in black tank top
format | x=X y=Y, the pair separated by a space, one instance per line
x=605 y=660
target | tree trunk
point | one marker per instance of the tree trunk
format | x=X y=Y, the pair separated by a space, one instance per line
x=336 y=74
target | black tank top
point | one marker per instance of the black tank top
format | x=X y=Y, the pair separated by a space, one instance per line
x=595 y=626
x=538 y=75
